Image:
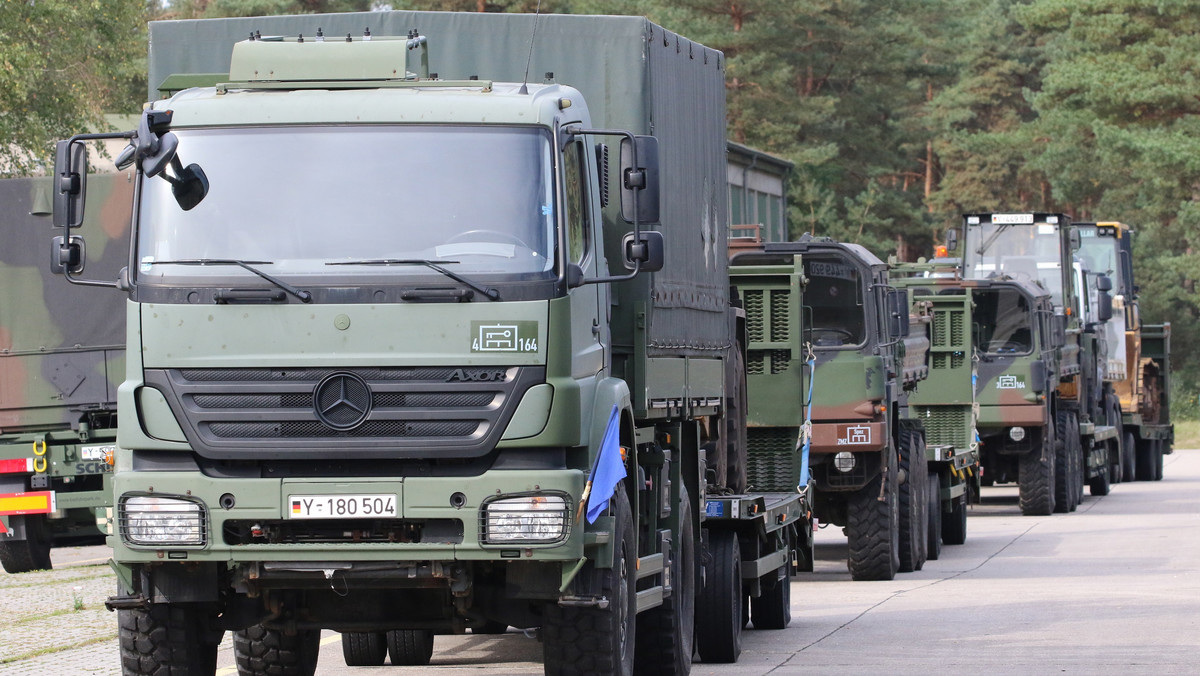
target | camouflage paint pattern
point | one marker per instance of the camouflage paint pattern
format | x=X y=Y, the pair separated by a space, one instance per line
x=62 y=351
x=844 y=331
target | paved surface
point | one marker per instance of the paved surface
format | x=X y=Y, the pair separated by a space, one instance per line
x=1113 y=588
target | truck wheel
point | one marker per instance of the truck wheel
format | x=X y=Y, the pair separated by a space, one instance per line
x=1099 y=485
x=933 y=487
x=954 y=526
x=32 y=553
x=410 y=647
x=1158 y=459
x=666 y=634
x=914 y=522
x=364 y=649
x=873 y=529
x=719 y=606
x=773 y=609
x=589 y=640
x=1147 y=464
x=1064 y=466
x=1128 y=457
x=260 y=651
x=1036 y=474
x=166 y=640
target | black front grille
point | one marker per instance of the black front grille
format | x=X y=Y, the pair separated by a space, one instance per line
x=272 y=413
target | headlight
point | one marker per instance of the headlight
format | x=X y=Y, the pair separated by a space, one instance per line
x=1016 y=433
x=161 y=521
x=844 y=461
x=530 y=519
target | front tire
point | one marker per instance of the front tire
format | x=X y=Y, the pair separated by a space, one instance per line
x=588 y=640
x=873 y=529
x=166 y=640
x=1037 y=480
x=263 y=651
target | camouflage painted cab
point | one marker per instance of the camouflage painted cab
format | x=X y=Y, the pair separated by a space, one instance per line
x=1042 y=247
x=1018 y=346
x=62 y=356
x=1137 y=364
x=858 y=355
x=944 y=403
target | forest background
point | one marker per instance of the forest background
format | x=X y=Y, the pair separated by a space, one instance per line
x=898 y=114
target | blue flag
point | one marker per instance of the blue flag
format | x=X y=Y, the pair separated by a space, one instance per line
x=608 y=470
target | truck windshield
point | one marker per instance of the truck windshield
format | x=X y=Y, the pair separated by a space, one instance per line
x=1098 y=254
x=1026 y=252
x=1003 y=322
x=321 y=204
x=834 y=293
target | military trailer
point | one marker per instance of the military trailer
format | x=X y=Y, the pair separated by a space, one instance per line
x=944 y=403
x=396 y=337
x=62 y=355
x=1039 y=248
x=1138 y=363
x=829 y=372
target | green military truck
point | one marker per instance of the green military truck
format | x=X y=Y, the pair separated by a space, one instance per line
x=1139 y=356
x=62 y=355
x=831 y=360
x=944 y=403
x=395 y=338
x=1038 y=249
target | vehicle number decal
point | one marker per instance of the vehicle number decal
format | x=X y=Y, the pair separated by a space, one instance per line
x=340 y=506
x=516 y=336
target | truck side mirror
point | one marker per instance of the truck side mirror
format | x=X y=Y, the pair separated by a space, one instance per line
x=1037 y=374
x=641 y=179
x=66 y=255
x=649 y=251
x=897 y=304
x=952 y=239
x=1058 y=326
x=70 y=183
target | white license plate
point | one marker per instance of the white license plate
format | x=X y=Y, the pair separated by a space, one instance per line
x=340 y=506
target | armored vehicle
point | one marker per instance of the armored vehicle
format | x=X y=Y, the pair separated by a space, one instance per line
x=829 y=373
x=420 y=353
x=62 y=355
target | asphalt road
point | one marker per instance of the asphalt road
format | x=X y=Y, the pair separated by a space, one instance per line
x=1113 y=588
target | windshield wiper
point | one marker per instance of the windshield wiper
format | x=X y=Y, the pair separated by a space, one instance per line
x=490 y=292
x=992 y=238
x=304 y=296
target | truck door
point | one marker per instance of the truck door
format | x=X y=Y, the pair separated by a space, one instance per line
x=589 y=330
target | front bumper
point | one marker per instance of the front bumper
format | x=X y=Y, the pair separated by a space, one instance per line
x=437 y=518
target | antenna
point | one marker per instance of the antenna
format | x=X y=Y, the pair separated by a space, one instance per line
x=536 y=13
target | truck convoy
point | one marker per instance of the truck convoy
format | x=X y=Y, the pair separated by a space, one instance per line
x=1080 y=410
x=62 y=356
x=416 y=353
x=1138 y=361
